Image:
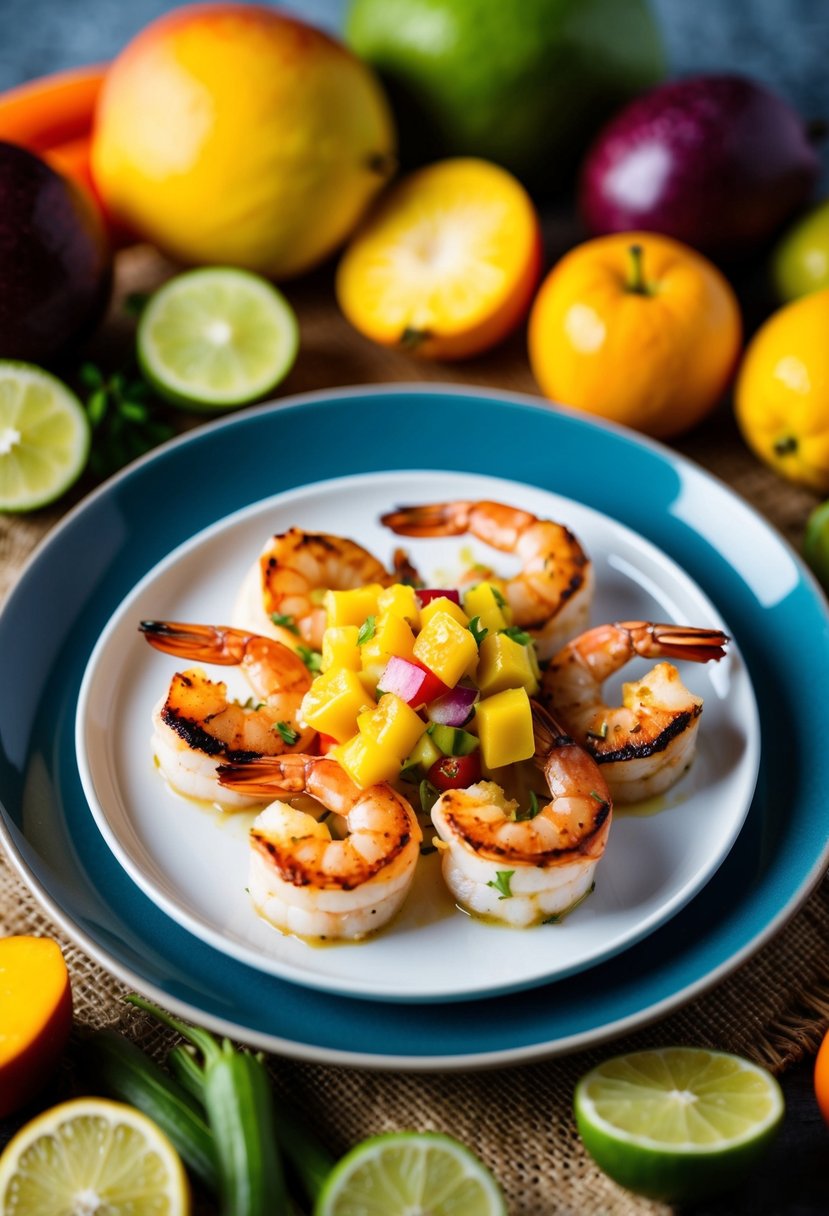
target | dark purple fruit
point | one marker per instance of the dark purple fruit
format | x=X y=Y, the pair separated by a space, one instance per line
x=719 y=162
x=55 y=260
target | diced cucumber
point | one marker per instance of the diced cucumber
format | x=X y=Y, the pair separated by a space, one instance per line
x=451 y=740
x=424 y=754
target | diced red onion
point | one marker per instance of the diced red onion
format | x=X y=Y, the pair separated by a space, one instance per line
x=453 y=708
x=426 y=595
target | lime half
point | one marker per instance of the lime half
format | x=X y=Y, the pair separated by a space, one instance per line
x=92 y=1155
x=678 y=1124
x=410 y=1174
x=44 y=437
x=216 y=338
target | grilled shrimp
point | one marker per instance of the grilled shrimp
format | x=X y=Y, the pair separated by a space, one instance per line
x=293 y=571
x=303 y=879
x=197 y=725
x=521 y=868
x=647 y=742
x=551 y=595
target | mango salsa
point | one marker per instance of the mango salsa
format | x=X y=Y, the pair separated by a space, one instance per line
x=442 y=604
x=504 y=663
x=333 y=702
x=485 y=602
x=505 y=728
x=393 y=724
x=366 y=761
x=392 y=636
x=351 y=607
x=446 y=648
x=400 y=600
x=340 y=649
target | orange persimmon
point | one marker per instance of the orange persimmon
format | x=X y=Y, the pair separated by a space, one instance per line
x=35 y=1016
x=822 y=1077
x=51 y=110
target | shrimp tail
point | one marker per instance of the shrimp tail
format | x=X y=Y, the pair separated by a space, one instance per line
x=432 y=519
x=653 y=640
x=548 y=733
x=404 y=571
x=266 y=775
x=218 y=644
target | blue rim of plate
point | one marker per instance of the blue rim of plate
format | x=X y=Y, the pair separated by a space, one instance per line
x=84 y=568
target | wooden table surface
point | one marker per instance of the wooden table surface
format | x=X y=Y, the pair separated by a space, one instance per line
x=795 y=1178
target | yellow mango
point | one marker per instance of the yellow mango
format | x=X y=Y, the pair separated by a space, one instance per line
x=366 y=761
x=391 y=636
x=504 y=663
x=351 y=607
x=446 y=648
x=393 y=724
x=482 y=601
x=333 y=702
x=340 y=649
x=442 y=604
x=505 y=728
x=400 y=600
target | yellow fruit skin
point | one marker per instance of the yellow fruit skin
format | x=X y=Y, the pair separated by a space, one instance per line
x=234 y=134
x=781 y=398
x=35 y=1016
x=657 y=362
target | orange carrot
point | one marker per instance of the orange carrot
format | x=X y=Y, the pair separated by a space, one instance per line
x=51 y=110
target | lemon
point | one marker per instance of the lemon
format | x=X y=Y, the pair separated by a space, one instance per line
x=216 y=338
x=781 y=399
x=92 y=1156
x=410 y=1174
x=679 y=1123
x=44 y=437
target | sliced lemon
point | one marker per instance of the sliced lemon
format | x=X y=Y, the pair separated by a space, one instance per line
x=410 y=1174
x=44 y=437
x=680 y=1123
x=91 y=1157
x=216 y=338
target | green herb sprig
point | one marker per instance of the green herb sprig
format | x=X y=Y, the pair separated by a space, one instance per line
x=124 y=418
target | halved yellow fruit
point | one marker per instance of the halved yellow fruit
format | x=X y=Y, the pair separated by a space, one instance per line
x=447 y=264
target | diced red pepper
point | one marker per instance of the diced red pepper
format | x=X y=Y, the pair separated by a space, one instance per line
x=411 y=682
x=426 y=595
x=455 y=772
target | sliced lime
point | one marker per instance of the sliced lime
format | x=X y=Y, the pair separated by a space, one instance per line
x=91 y=1155
x=816 y=543
x=44 y=437
x=410 y=1174
x=678 y=1124
x=216 y=338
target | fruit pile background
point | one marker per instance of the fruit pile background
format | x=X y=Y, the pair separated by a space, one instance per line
x=783 y=42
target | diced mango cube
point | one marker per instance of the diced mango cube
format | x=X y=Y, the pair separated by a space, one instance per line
x=340 y=649
x=482 y=601
x=442 y=604
x=504 y=663
x=351 y=607
x=370 y=675
x=447 y=648
x=400 y=600
x=391 y=636
x=393 y=724
x=366 y=761
x=333 y=701
x=505 y=728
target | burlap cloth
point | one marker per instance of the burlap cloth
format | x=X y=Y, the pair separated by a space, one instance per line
x=772 y=1010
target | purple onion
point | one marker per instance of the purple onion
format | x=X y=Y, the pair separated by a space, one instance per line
x=453 y=708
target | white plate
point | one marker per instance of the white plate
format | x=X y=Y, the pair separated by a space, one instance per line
x=193 y=862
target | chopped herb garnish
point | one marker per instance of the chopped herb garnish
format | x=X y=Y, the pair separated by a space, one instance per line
x=428 y=795
x=531 y=811
x=287 y=622
x=125 y=418
x=558 y=917
x=477 y=630
x=253 y=704
x=287 y=733
x=598 y=797
x=601 y=733
x=518 y=635
x=367 y=630
x=502 y=881
x=499 y=599
x=311 y=658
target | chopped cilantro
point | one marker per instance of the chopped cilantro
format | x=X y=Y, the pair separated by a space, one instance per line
x=518 y=635
x=311 y=658
x=499 y=599
x=532 y=810
x=428 y=795
x=367 y=630
x=502 y=881
x=477 y=630
x=287 y=733
x=287 y=622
